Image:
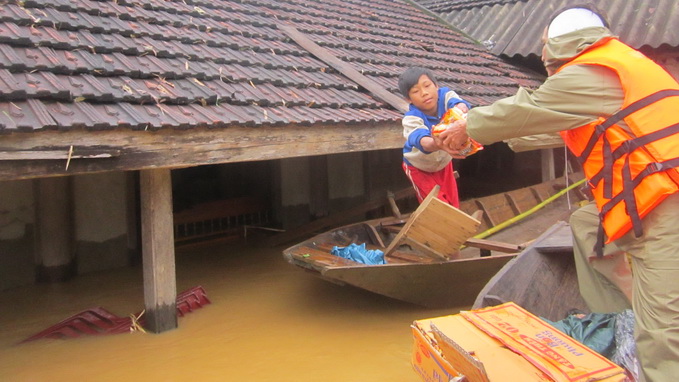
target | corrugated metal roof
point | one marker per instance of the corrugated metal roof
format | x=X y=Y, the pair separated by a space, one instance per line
x=152 y=64
x=514 y=28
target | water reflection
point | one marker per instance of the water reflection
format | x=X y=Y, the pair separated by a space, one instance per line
x=268 y=321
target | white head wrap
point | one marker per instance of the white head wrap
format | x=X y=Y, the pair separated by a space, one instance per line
x=572 y=20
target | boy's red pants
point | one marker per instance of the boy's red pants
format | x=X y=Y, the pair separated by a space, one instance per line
x=424 y=182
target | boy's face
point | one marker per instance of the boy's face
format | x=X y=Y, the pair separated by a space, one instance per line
x=424 y=95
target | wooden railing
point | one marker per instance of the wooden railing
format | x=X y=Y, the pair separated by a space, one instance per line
x=222 y=219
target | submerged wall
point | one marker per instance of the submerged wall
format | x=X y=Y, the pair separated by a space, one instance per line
x=16 y=234
x=99 y=216
x=105 y=220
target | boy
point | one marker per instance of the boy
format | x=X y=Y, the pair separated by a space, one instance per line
x=427 y=162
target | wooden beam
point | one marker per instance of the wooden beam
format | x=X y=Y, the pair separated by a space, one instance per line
x=377 y=90
x=491 y=245
x=160 y=285
x=66 y=153
x=172 y=148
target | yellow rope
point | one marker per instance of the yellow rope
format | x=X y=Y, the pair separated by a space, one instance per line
x=518 y=217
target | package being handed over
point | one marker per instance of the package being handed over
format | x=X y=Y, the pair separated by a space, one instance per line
x=451 y=115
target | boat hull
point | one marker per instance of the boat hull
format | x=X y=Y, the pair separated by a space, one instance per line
x=541 y=279
x=436 y=285
x=414 y=276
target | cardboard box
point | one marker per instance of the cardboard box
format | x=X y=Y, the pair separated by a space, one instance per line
x=503 y=343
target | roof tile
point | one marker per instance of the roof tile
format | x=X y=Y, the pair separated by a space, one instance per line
x=91 y=88
x=181 y=64
x=27 y=116
x=43 y=85
x=15 y=14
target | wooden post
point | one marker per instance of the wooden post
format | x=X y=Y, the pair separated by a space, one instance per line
x=54 y=230
x=160 y=285
x=548 y=172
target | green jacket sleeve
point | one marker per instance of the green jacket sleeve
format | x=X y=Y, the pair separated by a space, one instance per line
x=575 y=96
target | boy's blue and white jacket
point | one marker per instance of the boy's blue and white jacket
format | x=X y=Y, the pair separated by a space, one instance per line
x=416 y=125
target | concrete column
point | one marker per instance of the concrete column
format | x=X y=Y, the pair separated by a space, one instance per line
x=55 y=257
x=318 y=187
x=292 y=177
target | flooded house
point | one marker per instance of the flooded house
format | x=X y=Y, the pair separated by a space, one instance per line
x=118 y=116
x=129 y=129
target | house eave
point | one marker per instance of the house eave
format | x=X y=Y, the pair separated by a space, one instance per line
x=60 y=153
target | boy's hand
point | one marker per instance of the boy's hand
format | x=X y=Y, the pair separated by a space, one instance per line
x=455 y=137
x=462 y=107
x=442 y=146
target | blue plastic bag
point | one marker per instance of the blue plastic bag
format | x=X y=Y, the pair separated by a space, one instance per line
x=360 y=254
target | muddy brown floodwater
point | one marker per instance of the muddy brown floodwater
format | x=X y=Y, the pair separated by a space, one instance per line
x=268 y=321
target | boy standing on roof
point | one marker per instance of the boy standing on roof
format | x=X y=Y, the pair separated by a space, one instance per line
x=426 y=160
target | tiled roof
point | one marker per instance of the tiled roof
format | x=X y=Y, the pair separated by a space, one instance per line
x=445 y=6
x=514 y=27
x=148 y=65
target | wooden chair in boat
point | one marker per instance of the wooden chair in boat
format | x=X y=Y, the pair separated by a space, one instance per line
x=435 y=228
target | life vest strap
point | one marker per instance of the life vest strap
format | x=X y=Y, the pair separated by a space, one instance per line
x=627 y=194
x=623 y=113
x=630 y=199
x=629 y=146
x=600 y=239
x=607 y=168
x=638 y=105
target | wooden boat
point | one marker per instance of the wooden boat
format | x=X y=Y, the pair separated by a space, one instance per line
x=541 y=279
x=413 y=274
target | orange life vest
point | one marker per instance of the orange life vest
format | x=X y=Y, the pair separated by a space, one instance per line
x=630 y=171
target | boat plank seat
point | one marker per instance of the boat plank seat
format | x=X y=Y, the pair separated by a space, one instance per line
x=560 y=241
x=324 y=258
x=405 y=257
x=436 y=228
x=327 y=247
x=395 y=257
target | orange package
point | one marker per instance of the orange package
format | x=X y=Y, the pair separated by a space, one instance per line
x=451 y=115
